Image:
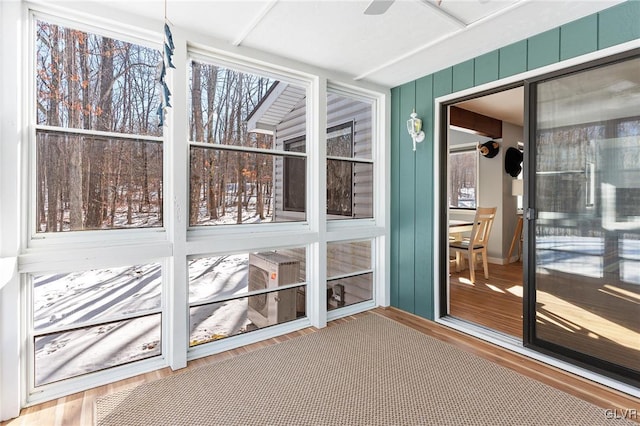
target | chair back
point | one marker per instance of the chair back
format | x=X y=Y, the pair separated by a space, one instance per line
x=482 y=226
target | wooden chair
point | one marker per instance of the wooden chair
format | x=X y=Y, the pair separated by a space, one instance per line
x=477 y=242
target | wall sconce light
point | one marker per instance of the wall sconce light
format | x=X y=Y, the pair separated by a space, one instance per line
x=414 y=127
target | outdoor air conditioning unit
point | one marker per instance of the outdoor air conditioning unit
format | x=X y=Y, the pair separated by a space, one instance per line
x=270 y=270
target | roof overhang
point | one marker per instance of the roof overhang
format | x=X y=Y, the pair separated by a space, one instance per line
x=279 y=101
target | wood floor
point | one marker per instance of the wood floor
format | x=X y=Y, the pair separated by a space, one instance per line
x=584 y=314
x=495 y=303
x=77 y=409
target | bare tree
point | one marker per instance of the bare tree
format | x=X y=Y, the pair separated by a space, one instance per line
x=85 y=81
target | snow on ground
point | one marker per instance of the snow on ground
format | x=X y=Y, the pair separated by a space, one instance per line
x=72 y=300
x=220 y=277
x=584 y=256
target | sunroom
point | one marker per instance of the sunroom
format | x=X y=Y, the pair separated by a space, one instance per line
x=180 y=179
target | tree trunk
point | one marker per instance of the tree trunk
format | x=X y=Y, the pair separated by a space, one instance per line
x=52 y=148
x=96 y=193
x=198 y=136
x=74 y=186
x=116 y=184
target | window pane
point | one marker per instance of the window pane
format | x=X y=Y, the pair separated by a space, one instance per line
x=339 y=187
x=231 y=187
x=340 y=140
x=221 y=277
x=90 y=182
x=230 y=107
x=232 y=277
x=87 y=81
x=462 y=177
x=349 y=183
x=348 y=291
x=73 y=353
x=295 y=177
x=344 y=112
x=587 y=234
x=224 y=319
x=75 y=298
x=349 y=199
x=346 y=258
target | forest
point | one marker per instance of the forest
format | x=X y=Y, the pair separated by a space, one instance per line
x=99 y=147
x=228 y=182
x=462 y=184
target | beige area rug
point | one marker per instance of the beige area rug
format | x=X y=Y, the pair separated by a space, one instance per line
x=369 y=371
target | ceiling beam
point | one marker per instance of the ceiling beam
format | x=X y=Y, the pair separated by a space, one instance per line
x=476 y=123
x=448 y=16
x=256 y=20
x=441 y=39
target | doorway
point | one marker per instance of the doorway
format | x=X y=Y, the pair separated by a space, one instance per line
x=492 y=298
x=579 y=290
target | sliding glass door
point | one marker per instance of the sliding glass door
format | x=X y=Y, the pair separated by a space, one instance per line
x=584 y=228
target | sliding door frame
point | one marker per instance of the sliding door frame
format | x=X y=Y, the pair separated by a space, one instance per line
x=440 y=270
x=442 y=189
x=530 y=340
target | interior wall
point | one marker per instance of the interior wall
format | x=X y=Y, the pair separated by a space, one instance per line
x=491 y=194
x=511 y=135
x=412 y=186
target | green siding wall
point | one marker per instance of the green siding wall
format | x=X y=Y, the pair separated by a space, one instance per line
x=412 y=190
x=543 y=49
x=513 y=59
x=463 y=75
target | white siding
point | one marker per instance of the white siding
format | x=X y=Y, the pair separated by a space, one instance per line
x=340 y=110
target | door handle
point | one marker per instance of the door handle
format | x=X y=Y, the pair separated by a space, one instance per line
x=531 y=214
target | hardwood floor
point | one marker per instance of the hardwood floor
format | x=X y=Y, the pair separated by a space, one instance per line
x=495 y=303
x=585 y=314
x=77 y=409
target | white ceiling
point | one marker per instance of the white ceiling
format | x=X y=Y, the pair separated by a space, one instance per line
x=507 y=105
x=412 y=39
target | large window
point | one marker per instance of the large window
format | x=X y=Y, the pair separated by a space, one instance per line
x=87 y=321
x=97 y=165
x=98 y=146
x=463 y=178
x=158 y=247
x=349 y=273
x=349 y=161
x=235 y=294
x=237 y=157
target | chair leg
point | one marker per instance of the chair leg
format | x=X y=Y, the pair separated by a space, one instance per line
x=485 y=263
x=472 y=267
x=458 y=260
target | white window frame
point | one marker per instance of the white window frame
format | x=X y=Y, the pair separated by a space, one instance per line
x=211 y=57
x=33 y=239
x=71 y=251
x=174 y=243
x=467 y=148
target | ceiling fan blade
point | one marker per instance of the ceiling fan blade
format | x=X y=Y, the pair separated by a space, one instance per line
x=378 y=7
